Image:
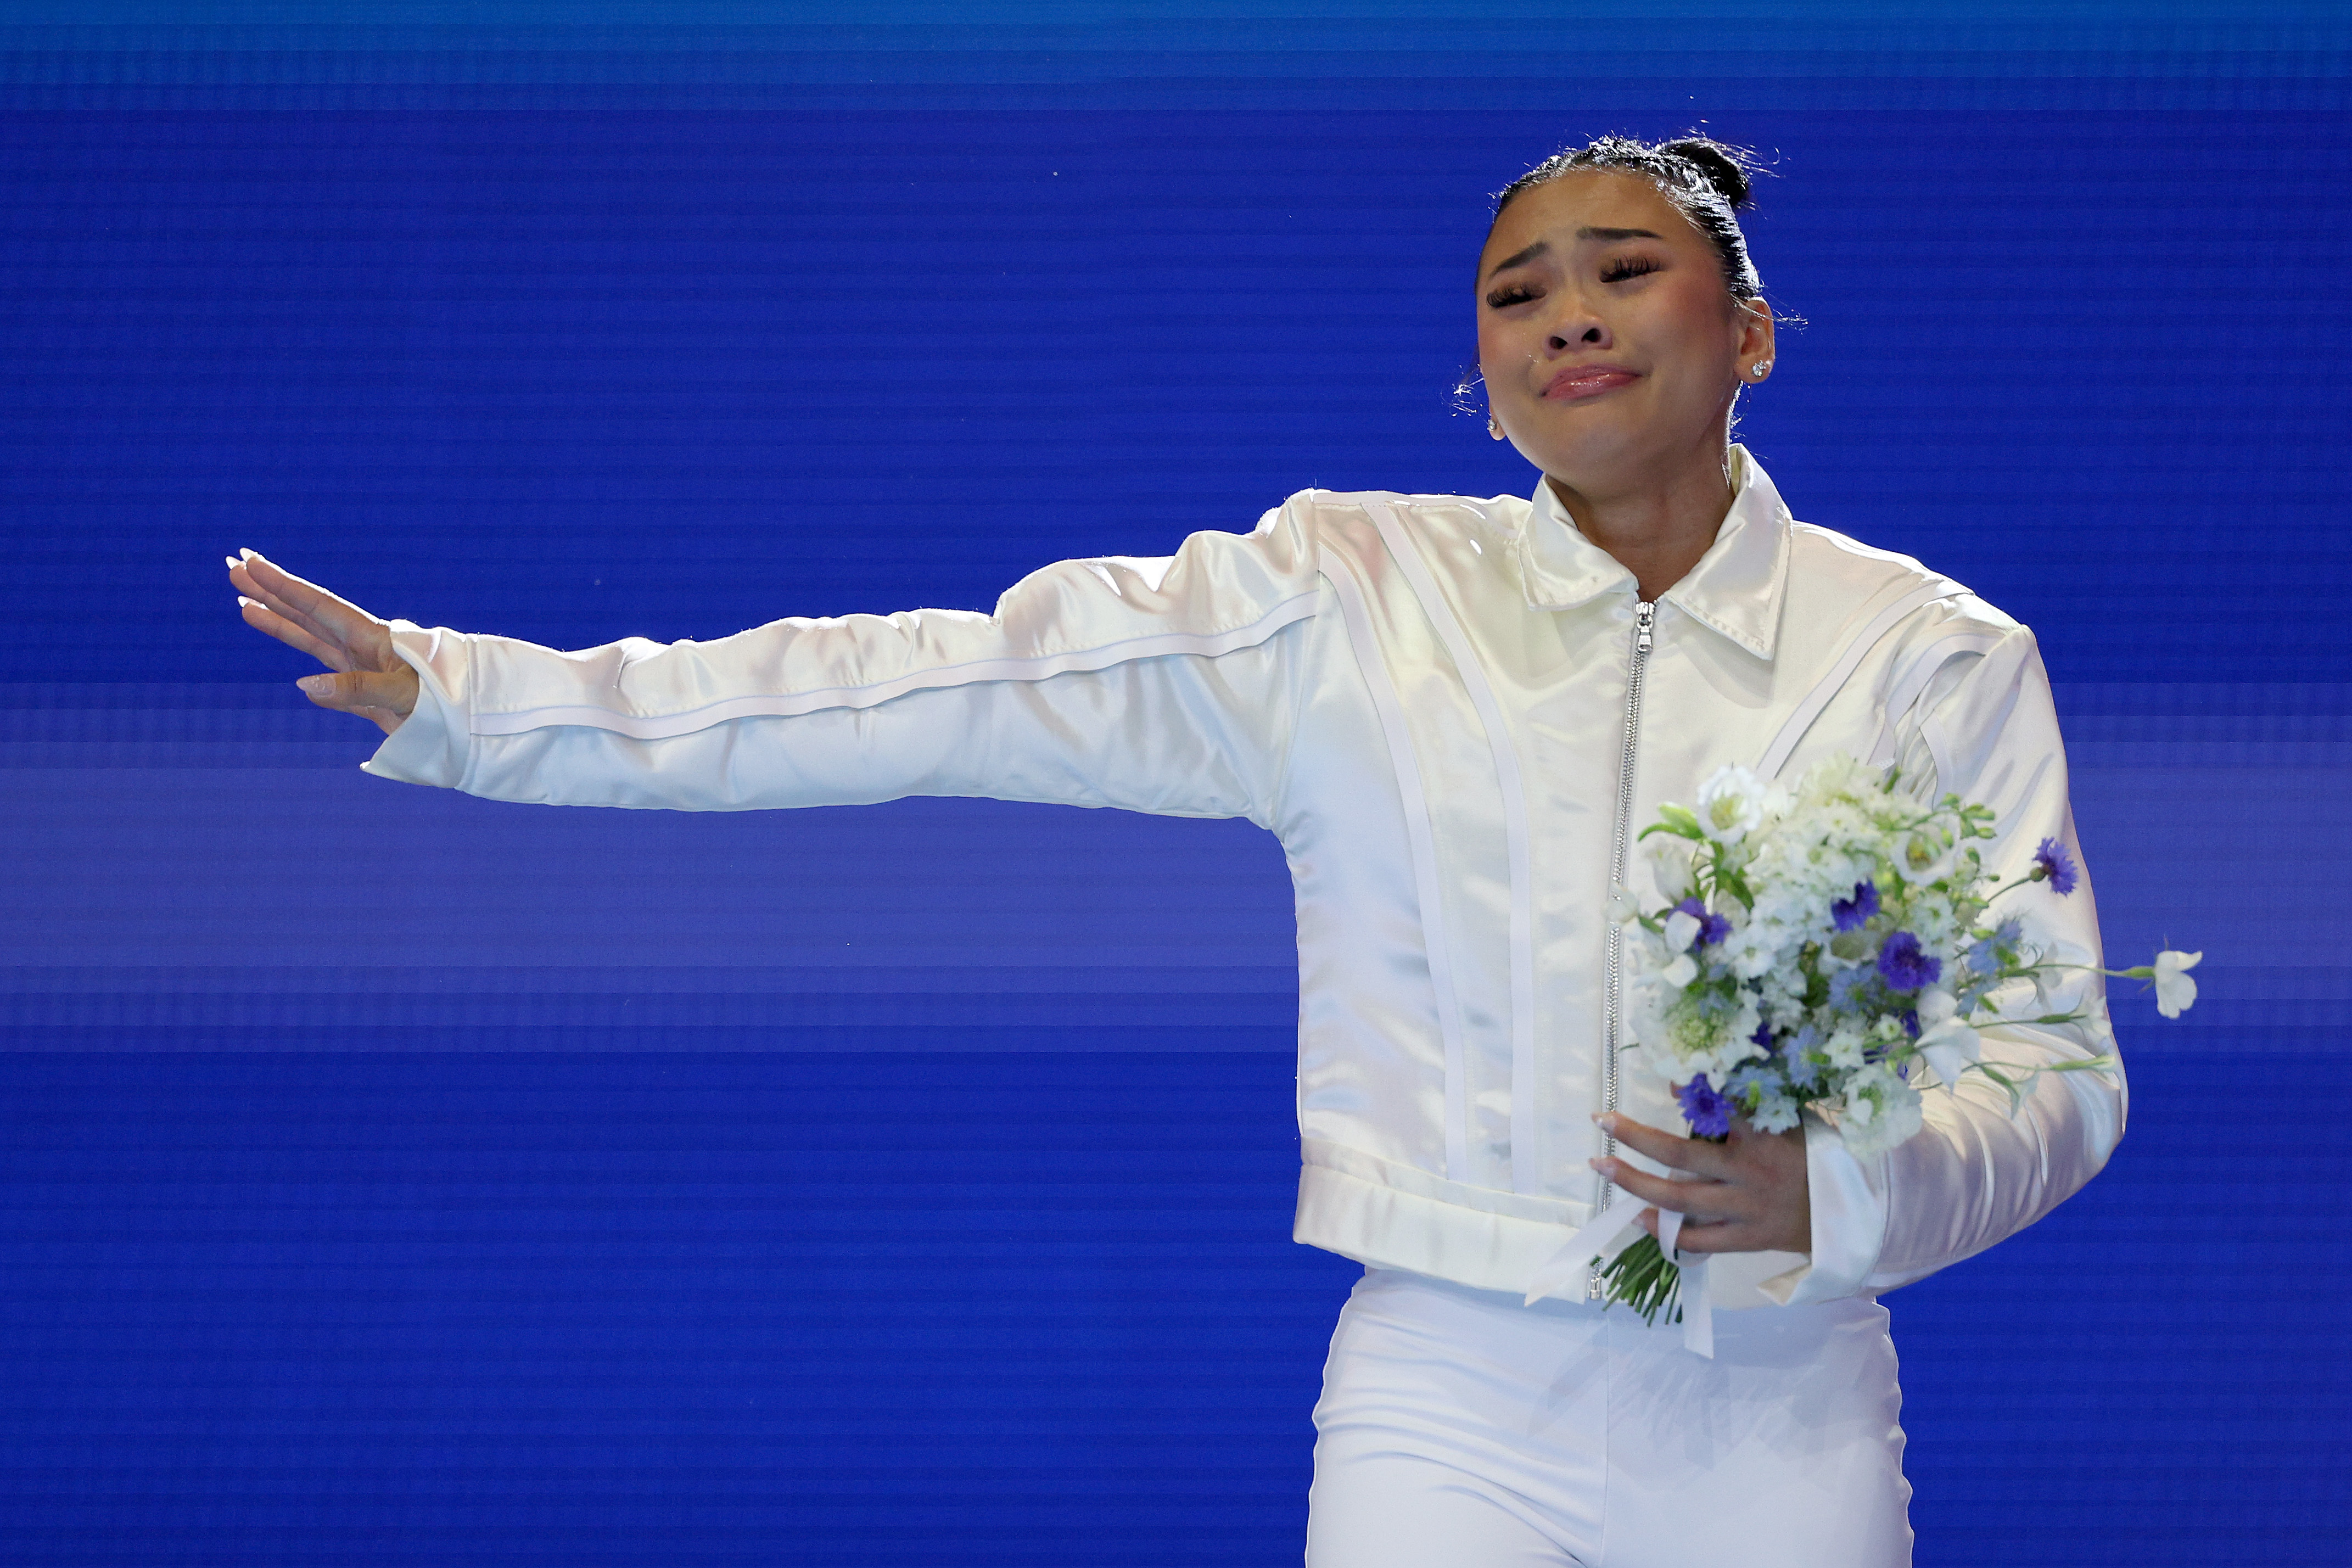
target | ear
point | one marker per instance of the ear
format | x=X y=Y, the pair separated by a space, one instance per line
x=1755 y=322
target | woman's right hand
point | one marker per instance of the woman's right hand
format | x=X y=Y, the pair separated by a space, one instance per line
x=368 y=677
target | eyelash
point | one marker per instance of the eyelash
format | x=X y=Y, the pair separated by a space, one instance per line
x=1622 y=271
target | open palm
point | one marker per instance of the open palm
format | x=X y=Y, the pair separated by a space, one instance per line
x=368 y=679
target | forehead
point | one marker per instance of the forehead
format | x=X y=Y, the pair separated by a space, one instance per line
x=1587 y=198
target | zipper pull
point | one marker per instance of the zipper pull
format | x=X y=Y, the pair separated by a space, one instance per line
x=1645 y=612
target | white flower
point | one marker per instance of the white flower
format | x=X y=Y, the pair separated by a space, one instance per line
x=1682 y=930
x=1624 y=907
x=2174 y=990
x=1775 y=1111
x=1923 y=856
x=1681 y=971
x=1881 y=1110
x=1949 y=1044
x=1732 y=803
x=1670 y=862
x=1838 y=776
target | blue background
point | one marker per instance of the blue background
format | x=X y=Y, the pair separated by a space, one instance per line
x=396 y=1177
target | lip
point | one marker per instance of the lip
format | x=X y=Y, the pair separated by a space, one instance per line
x=1578 y=382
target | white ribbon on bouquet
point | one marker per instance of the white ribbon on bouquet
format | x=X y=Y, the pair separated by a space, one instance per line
x=1601 y=1237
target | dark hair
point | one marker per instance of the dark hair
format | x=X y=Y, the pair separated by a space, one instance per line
x=1707 y=180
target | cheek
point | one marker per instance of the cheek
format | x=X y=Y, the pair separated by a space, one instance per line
x=1499 y=347
x=1692 y=320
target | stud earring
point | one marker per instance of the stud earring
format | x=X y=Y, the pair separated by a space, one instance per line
x=1492 y=428
x=1760 y=368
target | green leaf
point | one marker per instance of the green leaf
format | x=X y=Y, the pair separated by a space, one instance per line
x=1678 y=819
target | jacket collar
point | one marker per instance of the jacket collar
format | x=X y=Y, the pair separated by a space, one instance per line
x=1735 y=589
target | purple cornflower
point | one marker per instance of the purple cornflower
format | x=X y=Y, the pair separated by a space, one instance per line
x=1708 y=1114
x=1850 y=914
x=1712 y=928
x=1904 y=967
x=2052 y=864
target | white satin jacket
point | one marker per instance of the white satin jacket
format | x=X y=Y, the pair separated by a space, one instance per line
x=1442 y=706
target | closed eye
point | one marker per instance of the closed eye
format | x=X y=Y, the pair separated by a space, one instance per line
x=1510 y=294
x=1627 y=267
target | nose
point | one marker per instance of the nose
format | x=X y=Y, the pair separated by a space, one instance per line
x=1578 y=326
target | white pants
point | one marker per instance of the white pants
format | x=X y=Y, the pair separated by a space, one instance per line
x=1459 y=1429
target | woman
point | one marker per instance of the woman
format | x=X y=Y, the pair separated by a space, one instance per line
x=1454 y=713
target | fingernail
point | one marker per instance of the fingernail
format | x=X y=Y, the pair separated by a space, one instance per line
x=1604 y=1163
x=249 y=554
x=1608 y=1120
x=316 y=684
x=233 y=561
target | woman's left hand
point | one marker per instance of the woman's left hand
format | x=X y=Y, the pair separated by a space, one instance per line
x=1750 y=1193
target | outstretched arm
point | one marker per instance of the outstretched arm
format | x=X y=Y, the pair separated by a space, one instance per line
x=1155 y=685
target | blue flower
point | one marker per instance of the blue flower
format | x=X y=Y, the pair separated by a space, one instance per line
x=1846 y=989
x=1904 y=967
x=1763 y=1035
x=2051 y=864
x=1850 y=914
x=1911 y=1023
x=1984 y=957
x=1712 y=928
x=1708 y=1114
x=1804 y=1072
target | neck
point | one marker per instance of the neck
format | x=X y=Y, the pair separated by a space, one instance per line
x=1656 y=529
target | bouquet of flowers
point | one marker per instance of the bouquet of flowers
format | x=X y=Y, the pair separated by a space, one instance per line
x=1820 y=947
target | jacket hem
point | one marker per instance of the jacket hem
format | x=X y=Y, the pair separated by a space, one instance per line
x=1384 y=1214
x=1388 y=1216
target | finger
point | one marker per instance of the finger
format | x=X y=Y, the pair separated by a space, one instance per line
x=1700 y=1235
x=1709 y=1198
x=362 y=691
x=1713 y=1236
x=336 y=618
x=1694 y=1155
x=248 y=585
x=262 y=619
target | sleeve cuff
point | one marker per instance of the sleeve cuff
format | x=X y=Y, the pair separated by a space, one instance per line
x=434 y=742
x=1848 y=1215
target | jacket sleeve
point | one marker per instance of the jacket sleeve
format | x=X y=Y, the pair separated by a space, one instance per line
x=1979 y=1170
x=1156 y=685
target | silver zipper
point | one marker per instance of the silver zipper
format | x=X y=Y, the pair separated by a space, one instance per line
x=1645 y=614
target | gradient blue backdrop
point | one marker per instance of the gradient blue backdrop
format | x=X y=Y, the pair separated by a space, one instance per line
x=391 y=1177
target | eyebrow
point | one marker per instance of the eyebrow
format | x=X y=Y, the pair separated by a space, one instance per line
x=1541 y=246
x=1529 y=254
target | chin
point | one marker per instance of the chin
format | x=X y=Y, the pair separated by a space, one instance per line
x=1592 y=451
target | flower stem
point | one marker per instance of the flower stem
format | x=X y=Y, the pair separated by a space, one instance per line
x=1643 y=1278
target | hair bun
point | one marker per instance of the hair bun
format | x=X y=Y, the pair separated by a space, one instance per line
x=1726 y=168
